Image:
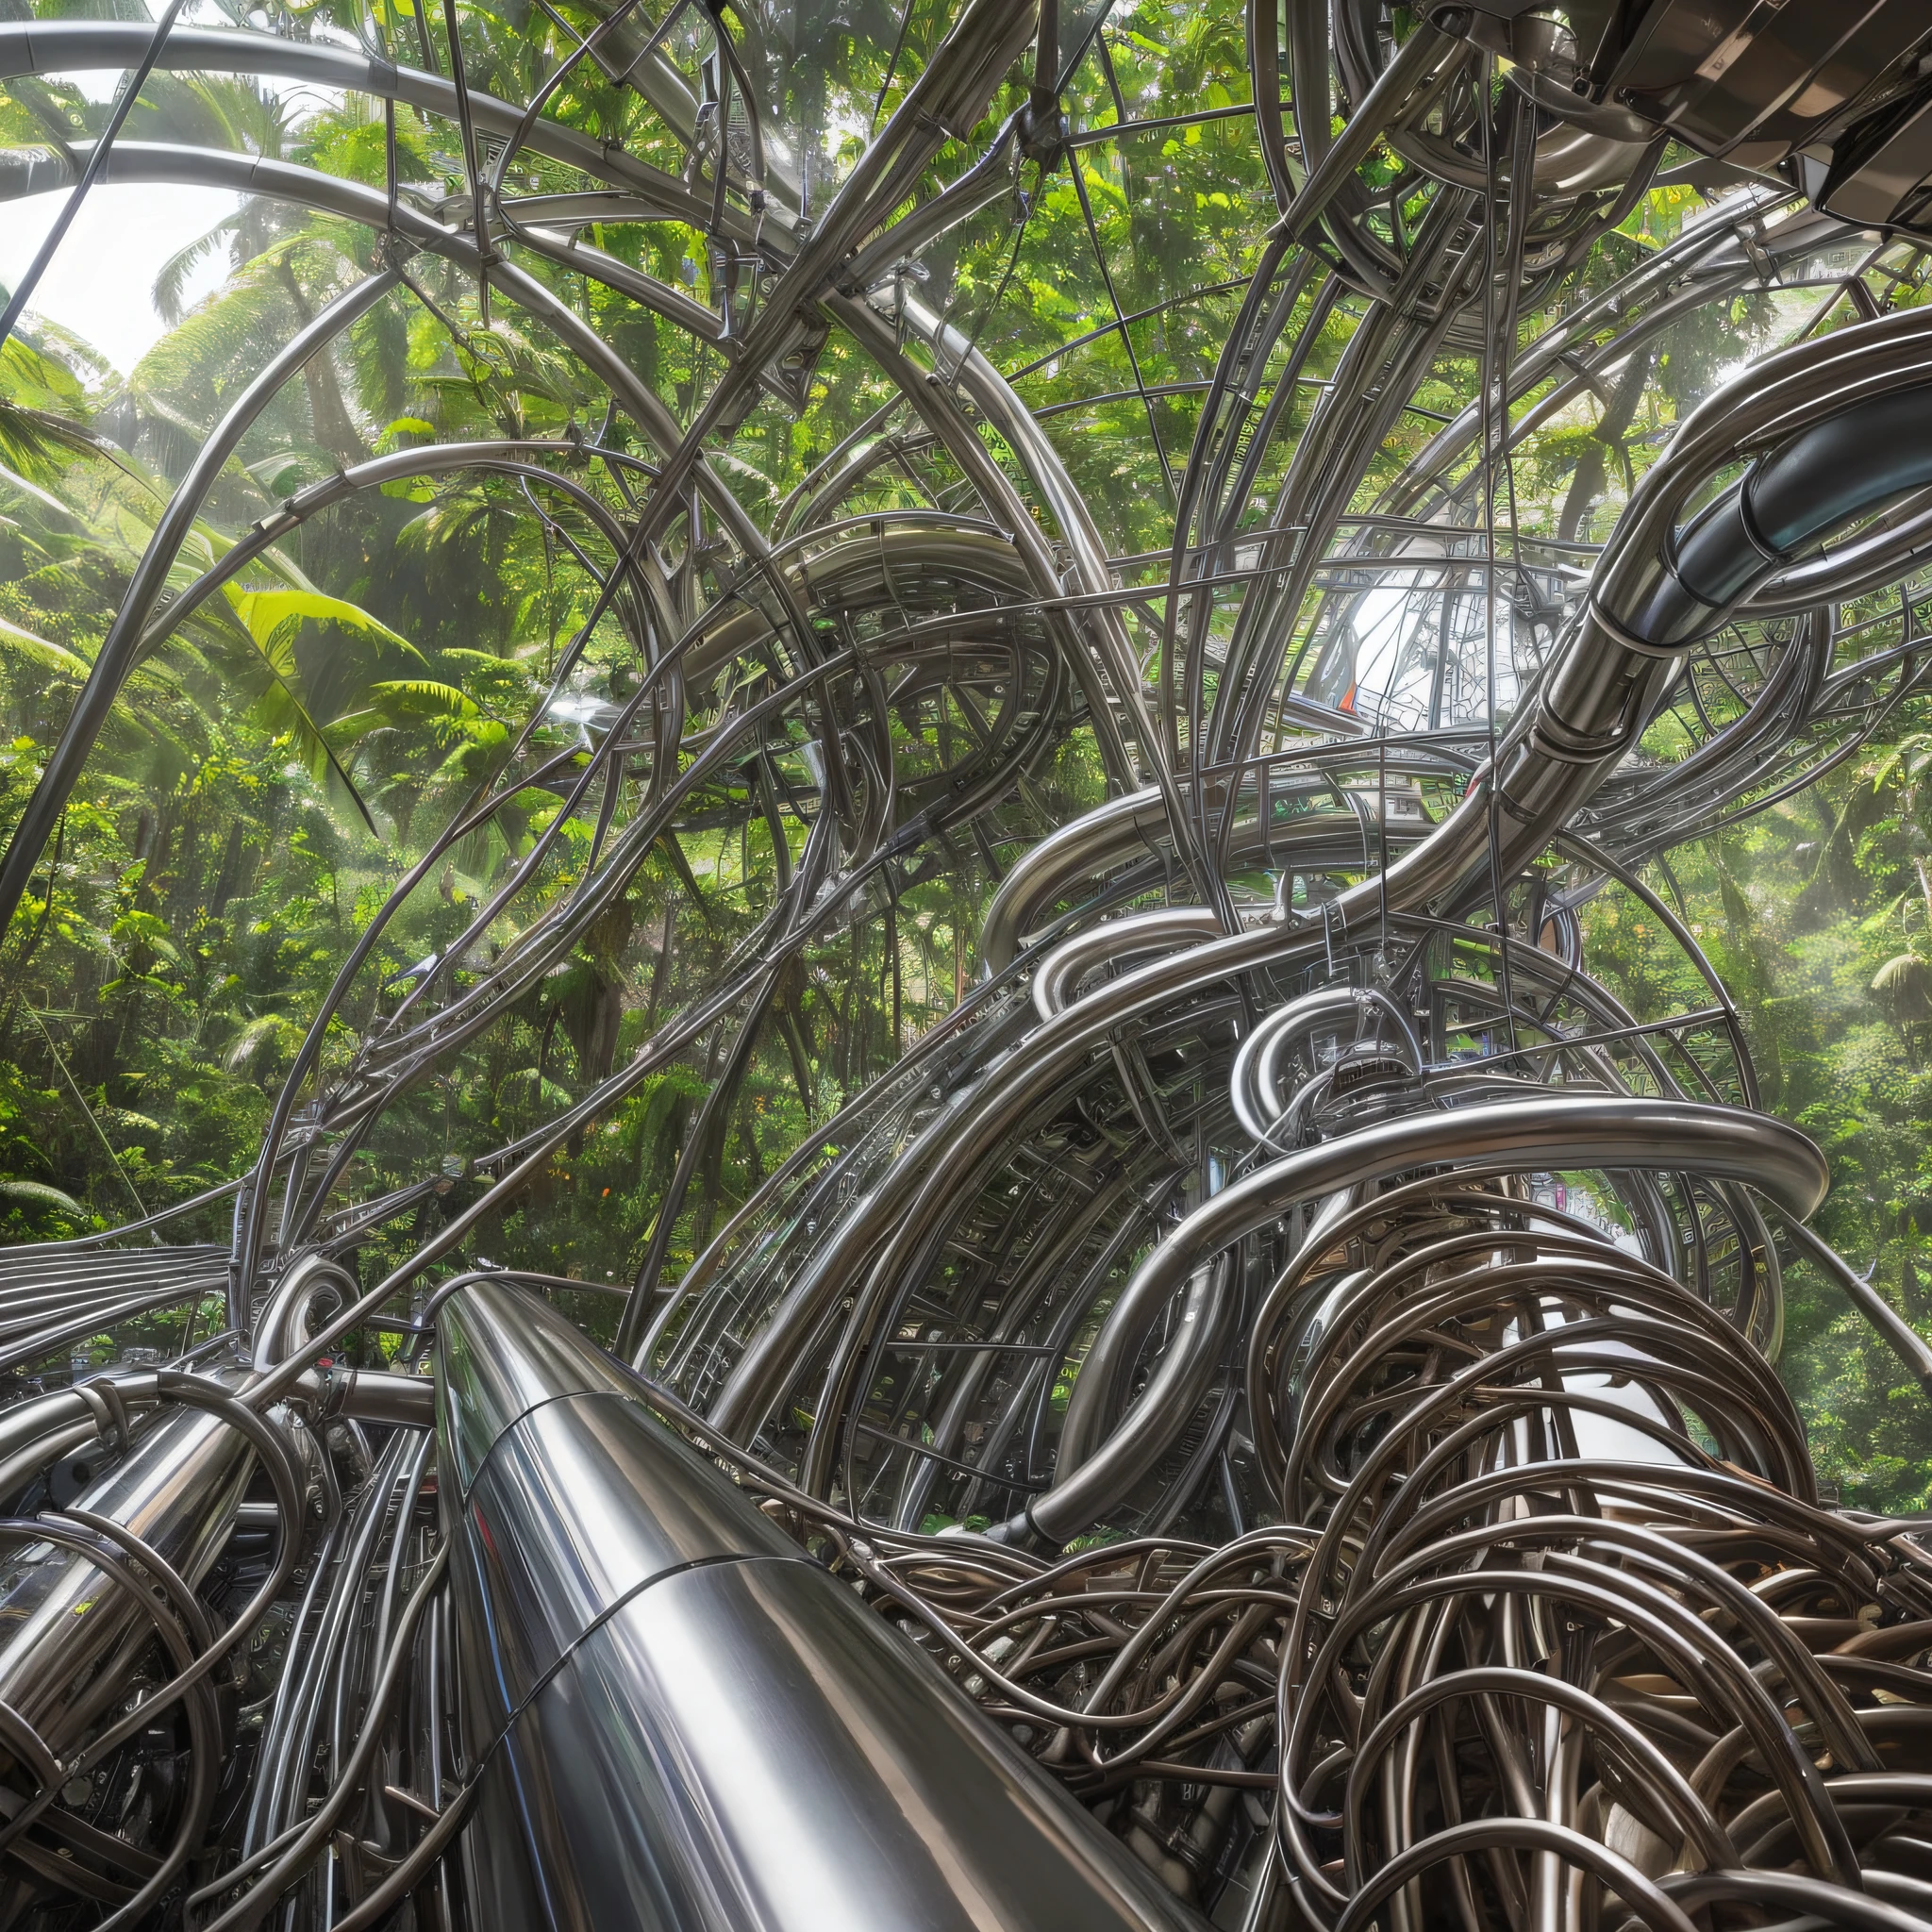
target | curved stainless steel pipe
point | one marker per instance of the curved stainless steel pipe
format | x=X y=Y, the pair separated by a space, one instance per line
x=1167 y=929
x=1255 y=1086
x=681 y=1720
x=1834 y=429
x=46 y=46
x=1551 y=1132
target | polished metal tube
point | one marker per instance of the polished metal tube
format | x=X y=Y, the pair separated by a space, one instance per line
x=177 y=1490
x=1445 y=1550
x=1655 y=593
x=678 y=1719
x=1550 y=1132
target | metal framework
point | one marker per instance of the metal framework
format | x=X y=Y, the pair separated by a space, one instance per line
x=1370 y=1535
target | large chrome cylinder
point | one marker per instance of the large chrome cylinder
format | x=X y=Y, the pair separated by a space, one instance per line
x=679 y=1719
x=176 y=1491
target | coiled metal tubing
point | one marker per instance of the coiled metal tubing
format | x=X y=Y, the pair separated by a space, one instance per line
x=1562 y=1612
x=137 y=1580
x=1355 y=1532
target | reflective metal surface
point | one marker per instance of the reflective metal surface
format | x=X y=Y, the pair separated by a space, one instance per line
x=680 y=1720
x=1266 y=1412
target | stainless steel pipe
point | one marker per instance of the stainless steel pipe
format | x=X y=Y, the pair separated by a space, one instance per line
x=680 y=1720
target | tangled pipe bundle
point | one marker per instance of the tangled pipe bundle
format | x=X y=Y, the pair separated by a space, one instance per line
x=1556 y=1615
x=1362 y=1533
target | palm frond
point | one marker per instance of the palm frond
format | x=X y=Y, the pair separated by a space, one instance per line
x=171 y=282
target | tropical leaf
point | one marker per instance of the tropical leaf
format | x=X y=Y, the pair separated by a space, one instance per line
x=270 y=1037
x=38 y=1195
x=1906 y=981
x=137 y=928
x=37 y=650
x=171 y=280
x=428 y=693
x=272 y=619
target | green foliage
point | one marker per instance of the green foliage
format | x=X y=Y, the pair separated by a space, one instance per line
x=280 y=757
x=1814 y=915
